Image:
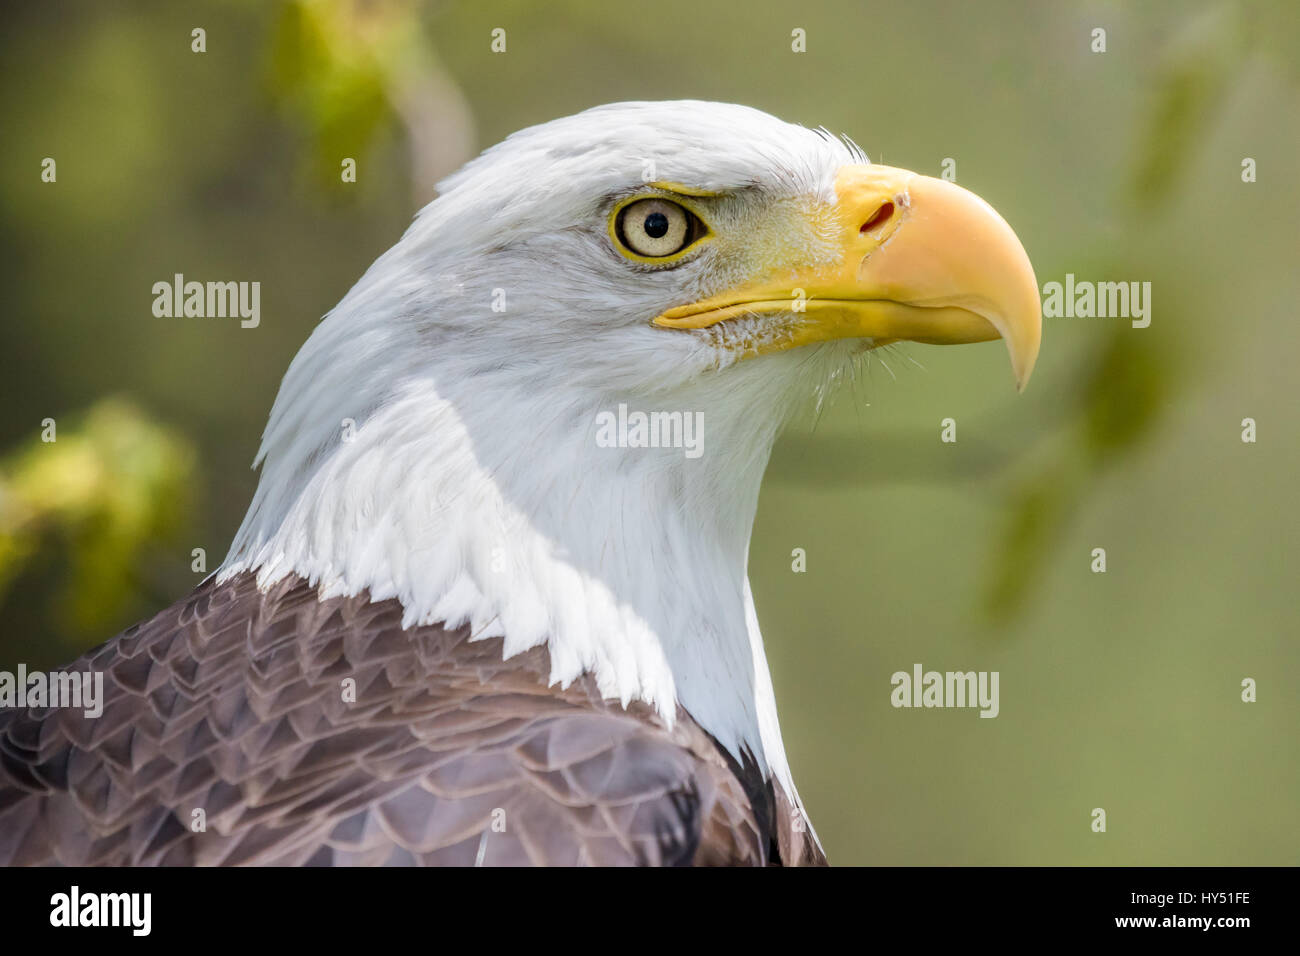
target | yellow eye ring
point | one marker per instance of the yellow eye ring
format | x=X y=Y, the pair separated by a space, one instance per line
x=655 y=229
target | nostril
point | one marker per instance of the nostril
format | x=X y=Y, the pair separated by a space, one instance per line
x=879 y=217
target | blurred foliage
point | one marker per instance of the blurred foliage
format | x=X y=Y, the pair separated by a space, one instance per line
x=330 y=68
x=1117 y=405
x=1127 y=384
x=1201 y=62
x=1197 y=69
x=101 y=491
x=343 y=68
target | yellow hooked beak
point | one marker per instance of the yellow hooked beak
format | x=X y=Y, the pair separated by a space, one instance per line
x=922 y=260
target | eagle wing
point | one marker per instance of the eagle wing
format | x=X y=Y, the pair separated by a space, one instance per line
x=250 y=727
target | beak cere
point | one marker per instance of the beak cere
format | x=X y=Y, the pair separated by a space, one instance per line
x=921 y=260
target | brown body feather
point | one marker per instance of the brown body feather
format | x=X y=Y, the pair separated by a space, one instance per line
x=231 y=702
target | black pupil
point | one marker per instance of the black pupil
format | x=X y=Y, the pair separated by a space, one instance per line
x=656 y=225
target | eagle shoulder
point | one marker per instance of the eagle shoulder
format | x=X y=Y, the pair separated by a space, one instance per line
x=243 y=726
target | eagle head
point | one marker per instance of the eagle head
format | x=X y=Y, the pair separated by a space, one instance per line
x=438 y=439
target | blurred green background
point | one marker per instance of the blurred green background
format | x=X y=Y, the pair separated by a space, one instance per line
x=1118 y=690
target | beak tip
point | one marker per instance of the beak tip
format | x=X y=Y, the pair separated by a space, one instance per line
x=1023 y=369
x=1023 y=360
x=1023 y=334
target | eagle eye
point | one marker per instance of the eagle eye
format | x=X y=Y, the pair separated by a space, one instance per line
x=656 y=228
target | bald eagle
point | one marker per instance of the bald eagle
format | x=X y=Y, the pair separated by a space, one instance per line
x=454 y=627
